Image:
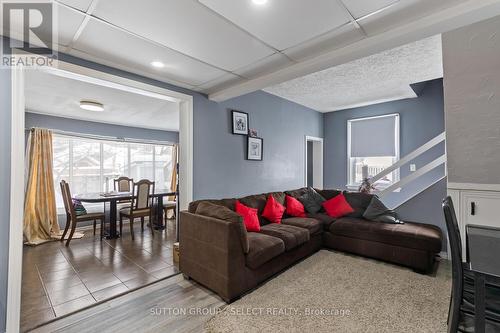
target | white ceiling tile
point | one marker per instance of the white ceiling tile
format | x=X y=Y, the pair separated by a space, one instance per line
x=359 y=8
x=60 y=96
x=82 y=5
x=401 y=13
x=380 y=77
x=265 y=66
x=67 y=23
x=187 y=26
x=282 y=23
x=335 y=39
x=220 y=83
x=104 y=41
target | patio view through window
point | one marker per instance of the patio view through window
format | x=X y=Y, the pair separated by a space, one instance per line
x=87 y=163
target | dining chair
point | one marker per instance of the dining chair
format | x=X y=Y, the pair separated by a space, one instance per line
x=170 y=205
x=141 y=206
x=72 y=219
x=123 y=184
x=475 y=296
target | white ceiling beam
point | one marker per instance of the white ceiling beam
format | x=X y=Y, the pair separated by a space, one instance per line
x=465 y=13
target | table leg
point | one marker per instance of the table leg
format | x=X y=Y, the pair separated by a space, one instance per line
x=112 y=233
x=158 y=223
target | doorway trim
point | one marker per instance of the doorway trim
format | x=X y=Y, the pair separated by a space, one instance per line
x=317 y=165
x=18 y=160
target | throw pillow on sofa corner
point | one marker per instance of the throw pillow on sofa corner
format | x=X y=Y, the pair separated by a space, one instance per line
x=312 y=200
x=250 y=217
x=378 y=212
x=337 y=206
x=294 y=207
x=273 y=211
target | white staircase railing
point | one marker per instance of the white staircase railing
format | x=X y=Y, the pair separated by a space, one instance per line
x=417 y=174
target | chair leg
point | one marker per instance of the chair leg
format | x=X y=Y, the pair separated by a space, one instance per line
x=73 y=227
x=142 y=223
x=132 y=227
x=121 y=225
x=95 y=223
x=151 y=226
x=102 y=229
x=66 y=228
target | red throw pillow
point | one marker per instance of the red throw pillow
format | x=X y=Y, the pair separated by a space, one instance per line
x=337 y=206
x=249 y=215
x=294 y=207
x=273 y=210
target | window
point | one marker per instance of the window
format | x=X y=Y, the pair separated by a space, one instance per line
x=373 y=145
x=88 y=163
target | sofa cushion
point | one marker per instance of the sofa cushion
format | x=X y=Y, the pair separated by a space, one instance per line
x=337 y=206
x=290 y=235
x=229 y=203
x=259 y=201
x=312 y=200
x=273 y=211
x=377 y=211
x=314 y=226
x=410 y=235
x=324 y=219
x=249 y=215
x=328 y=194
x=296 y=193
x=358 y=201
x=223 y=213
x=294 y=207
x=262 y=249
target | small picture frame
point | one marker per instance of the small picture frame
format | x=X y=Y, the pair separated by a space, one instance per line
x=254 y=149
x=240 y=122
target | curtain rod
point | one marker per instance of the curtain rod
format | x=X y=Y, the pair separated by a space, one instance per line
x=106 y=138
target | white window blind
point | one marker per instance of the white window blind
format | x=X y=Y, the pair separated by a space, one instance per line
x=373 y=136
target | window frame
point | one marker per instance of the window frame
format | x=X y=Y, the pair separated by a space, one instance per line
x=71 y=137
x=354 y=186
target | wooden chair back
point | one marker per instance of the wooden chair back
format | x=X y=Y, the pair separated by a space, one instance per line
x=142 y=195
x=123 y=184
x=68 y=202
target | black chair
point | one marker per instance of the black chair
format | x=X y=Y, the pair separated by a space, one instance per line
x=475 y=296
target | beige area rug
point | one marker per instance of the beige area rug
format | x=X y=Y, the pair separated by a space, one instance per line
x=334 y=292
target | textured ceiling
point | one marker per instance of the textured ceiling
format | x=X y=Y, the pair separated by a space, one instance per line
x=60 y=96
x=378 y=78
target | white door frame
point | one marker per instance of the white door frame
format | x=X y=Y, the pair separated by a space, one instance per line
x=17 y=160
x=317 y=167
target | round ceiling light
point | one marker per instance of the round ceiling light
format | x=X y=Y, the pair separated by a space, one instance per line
x=259 y=2
x=91 y=106
x=157 y=64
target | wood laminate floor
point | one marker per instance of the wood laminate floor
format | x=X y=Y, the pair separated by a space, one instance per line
x=168 y=306
x=58 y=280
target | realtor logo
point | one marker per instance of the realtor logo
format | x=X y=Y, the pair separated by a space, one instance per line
x=30 y=26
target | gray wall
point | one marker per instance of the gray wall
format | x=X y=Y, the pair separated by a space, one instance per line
x=5 y=132
x=471 y=58
x=95 y=128
x=421 y=119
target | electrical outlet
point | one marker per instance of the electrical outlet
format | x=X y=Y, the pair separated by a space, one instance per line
x=413 y=167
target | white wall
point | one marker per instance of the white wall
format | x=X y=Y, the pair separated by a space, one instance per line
x=471 y=57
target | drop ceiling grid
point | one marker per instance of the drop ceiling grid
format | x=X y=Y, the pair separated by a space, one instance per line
x=225 y=72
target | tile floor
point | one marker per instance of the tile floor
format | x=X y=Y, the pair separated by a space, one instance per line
x=58 y=280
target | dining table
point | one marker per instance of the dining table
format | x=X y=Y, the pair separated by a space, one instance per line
x=113 y=198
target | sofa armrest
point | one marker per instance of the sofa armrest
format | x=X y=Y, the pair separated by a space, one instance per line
x=211 y=253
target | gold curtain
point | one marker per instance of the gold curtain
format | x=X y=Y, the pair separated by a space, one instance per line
x=40 y=214
x=173 y=180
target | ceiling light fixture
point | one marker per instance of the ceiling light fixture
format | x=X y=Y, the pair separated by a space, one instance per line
x=91 y=106
x=259 y=2
x=157 y=64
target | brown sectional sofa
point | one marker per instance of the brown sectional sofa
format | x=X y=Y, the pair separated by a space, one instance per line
x=222 y=256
